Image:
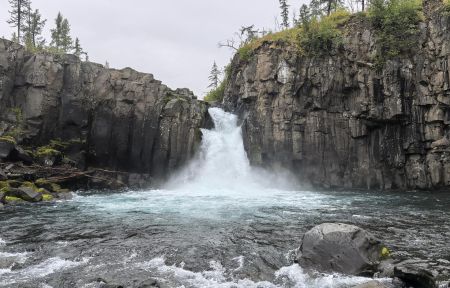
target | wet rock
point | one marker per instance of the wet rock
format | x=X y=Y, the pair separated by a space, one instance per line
x=336 y=247
x=121 y=120
x=2 y=197
x=63 y=196
x=416 y=273
x=3 y=175
x=371 y=284
x=25 y=193
x=151 y=283
x=6 y=147
x=19 y=154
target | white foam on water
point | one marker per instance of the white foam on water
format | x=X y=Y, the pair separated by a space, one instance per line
x=291 y=276
x=45 y=268
x=2 y=242
x=19 y=257
x=219 y=182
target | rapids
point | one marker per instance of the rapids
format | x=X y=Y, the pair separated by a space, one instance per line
x=217 y=223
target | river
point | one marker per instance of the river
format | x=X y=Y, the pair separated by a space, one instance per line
x=217 y=223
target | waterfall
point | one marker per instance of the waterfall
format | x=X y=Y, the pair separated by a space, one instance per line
x=222 y=162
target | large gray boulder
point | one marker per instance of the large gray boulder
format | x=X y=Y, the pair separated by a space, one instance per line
x=340 y=248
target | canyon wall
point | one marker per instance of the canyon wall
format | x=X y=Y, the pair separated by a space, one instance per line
x=122 y=119
x=338 y=122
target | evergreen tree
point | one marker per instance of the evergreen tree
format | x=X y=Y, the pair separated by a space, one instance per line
x=214 y=77
x=36 y=26
x=107 y=64
x=56 y=32
x=61 y=39
x=284 y=13
x=66 y=40
x=77 y=48
x=304 y=15
x=17 y=17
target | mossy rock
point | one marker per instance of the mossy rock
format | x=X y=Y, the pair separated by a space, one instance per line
x=12 y=199
x=48 y=156
x=50 y=186
x=8 y=139
x=47 y=197
x=47 y=151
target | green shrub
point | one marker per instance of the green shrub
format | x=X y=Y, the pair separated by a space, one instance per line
x=216 y=95
x=396 y=23
x=318 y=36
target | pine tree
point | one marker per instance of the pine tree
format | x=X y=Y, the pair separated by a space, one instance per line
x=37 y=25
x=17 y=17
x=304 y=15
x=214 y=76
x=66 y=40
x=284 y=13
x=56 y=32
x=77 y=48
x=107 y=64
x=61 y=39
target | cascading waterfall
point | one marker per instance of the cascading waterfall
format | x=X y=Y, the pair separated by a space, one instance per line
x=222 y=163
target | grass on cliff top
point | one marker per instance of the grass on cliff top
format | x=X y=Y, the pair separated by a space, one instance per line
x=395 y=23
x=314 y=37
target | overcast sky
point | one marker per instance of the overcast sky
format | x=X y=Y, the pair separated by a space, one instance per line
x=175 y=40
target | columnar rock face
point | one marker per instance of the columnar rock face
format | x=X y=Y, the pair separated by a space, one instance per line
x=337 y=122
x=124 y=119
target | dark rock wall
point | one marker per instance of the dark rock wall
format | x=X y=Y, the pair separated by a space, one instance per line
x=338 y=123
x=124 y=119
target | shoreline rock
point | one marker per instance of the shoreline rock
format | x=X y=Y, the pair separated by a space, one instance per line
x=348 y=249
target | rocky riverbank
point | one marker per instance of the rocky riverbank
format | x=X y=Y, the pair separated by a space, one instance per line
x=80 y=124
x=348 y=249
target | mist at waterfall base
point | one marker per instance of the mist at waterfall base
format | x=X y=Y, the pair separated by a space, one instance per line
x=216 y=223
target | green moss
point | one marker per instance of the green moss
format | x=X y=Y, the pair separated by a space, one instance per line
x=13 y=199
x=46 y=151
x=47 y=197
x=385 y=253
x=8 y=139
x=53 y=187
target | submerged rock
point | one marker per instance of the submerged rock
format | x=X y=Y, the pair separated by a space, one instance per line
x=340 y=248
x=370 y=284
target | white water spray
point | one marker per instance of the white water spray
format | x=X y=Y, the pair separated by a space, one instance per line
x=222 y=163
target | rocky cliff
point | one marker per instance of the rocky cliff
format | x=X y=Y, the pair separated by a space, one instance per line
x=338 y=122
x=121 y=119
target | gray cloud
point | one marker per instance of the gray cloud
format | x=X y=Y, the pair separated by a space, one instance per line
x=176 y=40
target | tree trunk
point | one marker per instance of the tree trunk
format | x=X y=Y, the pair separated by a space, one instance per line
x=19 y=20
